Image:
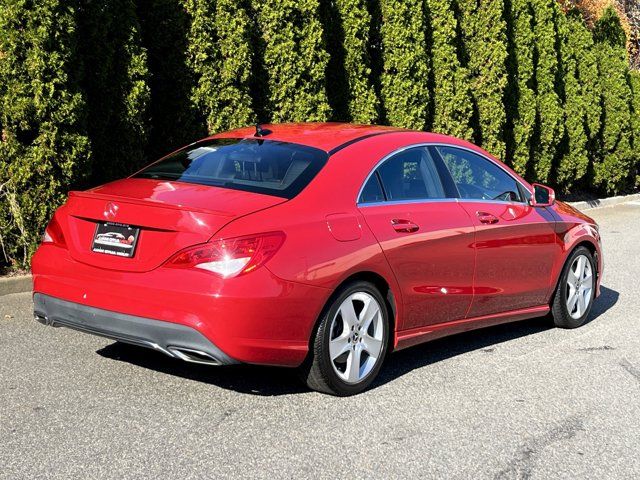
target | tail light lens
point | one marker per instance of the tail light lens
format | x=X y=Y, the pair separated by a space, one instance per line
x=53 y=233
x=230 y=257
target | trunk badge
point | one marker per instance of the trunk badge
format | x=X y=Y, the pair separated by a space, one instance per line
x=110 y=211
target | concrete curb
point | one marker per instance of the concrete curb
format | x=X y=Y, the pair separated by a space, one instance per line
x=605 y=202
x=19 y=284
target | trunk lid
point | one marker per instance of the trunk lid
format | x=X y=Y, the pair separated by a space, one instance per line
x=170 y=215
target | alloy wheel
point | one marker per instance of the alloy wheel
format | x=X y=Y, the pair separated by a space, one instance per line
x=356 y=337
x=579 y=286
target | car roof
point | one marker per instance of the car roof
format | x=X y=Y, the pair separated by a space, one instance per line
x=328 y=136
x=334 y=136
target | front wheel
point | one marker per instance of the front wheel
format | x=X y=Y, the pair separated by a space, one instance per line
x=351 y=342
x=576 y=290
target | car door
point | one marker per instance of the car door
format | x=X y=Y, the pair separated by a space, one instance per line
x=425 y=234
x=515 y=242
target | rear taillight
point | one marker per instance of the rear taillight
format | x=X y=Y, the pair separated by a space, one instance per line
x=230 y=257
x=53 y=234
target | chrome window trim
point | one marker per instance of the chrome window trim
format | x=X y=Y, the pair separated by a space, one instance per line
x=438 y=200
x=435 y=200
x=482 y=200
x=407 y=202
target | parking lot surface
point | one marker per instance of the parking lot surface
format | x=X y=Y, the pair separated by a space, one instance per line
x=516 y=401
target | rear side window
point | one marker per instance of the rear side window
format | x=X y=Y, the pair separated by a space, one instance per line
x=260 y=166
x=478 y=178
x=411 y=175
x=372 y=191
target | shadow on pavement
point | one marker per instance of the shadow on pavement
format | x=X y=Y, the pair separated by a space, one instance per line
x=269 y=381
x=419 y=356
x=607 y=299
x=250 y=379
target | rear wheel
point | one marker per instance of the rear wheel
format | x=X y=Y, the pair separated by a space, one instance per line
x=576 y=290
x=351 y=342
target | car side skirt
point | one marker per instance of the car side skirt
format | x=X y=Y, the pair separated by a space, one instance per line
x=414 y=336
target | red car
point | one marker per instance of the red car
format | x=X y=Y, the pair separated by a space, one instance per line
x=318 y=246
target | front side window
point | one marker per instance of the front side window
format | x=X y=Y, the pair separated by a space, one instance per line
x=411 y=175
x=478 y=178
x=260 y=166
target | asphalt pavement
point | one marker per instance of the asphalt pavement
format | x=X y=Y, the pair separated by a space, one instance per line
x=516 y=401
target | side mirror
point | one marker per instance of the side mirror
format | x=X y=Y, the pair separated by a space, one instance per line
x=542 y=196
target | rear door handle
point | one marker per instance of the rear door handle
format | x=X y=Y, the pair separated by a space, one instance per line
x=487 y=218
x=404 y=226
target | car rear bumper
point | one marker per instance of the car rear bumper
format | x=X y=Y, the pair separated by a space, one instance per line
x=174 y=340
x=256 y=318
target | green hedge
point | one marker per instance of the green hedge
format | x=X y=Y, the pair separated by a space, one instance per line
x=44 y=147
x=520 y=98
x=115 y=83
x=578 y=64
x=484 y=40
x=220 y=57
x=452 y=97
x=91 y=90
x=294 y=58
x=635 y=107
x=405 y=93
x=349 y=86
x=617 y=159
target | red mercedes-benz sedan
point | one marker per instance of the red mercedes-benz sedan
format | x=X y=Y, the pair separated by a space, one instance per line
x=318 y=246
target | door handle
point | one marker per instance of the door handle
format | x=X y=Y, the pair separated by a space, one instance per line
x=487 y=218
x=404 y=226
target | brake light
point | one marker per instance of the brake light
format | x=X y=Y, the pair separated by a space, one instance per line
x=230 y=257
x=53 y=233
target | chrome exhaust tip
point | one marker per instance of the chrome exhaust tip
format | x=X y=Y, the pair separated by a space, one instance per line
x=193 y=356
x=43 y=319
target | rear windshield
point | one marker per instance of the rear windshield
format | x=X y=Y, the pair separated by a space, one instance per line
x=254 y=165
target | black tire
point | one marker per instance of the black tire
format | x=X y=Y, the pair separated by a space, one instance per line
x=561 y=316
x=318 y=371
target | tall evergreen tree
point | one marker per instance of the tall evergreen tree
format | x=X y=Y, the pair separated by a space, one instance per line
x=295 y=59
x=612 y=171
x=452 y=94
x=44 y=149
x=164 y=31
x=522 y=97
x=484 y=32
x=404 y=83
x=635 y=103
x=581 y=102
x=349 y=86
x=549 y=112
x=115 y=82
x=220 y=54
x=591 y=87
